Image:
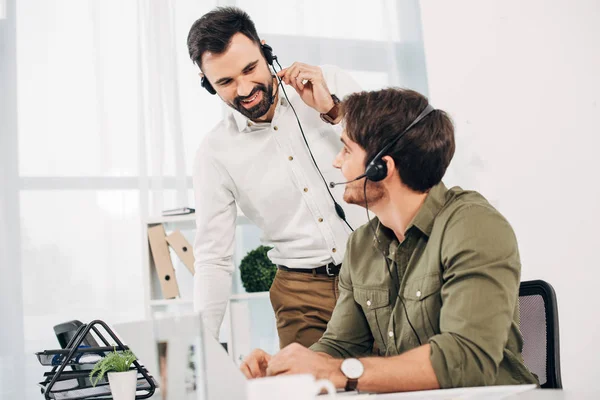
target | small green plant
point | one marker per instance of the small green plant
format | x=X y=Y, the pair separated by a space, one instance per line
x=113 y=362
x=257 y=271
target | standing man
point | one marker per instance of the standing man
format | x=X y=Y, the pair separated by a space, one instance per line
x=256 y=158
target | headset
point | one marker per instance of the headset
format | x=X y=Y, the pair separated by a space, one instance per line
x=376 y=169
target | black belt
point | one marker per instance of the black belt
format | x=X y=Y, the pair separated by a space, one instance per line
x=330 y=269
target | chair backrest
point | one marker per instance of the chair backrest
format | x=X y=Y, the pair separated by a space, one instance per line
x=539 y=327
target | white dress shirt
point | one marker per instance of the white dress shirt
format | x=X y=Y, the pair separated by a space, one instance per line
x=266 y=170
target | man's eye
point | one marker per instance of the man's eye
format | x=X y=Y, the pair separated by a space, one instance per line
x=225 y=83
x=250 y=69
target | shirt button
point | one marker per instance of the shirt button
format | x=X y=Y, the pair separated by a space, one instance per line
x=275 y=127
x=391 y=334
x=369 y=303
x=290 y=158
x=305 y=189
x=418 y=293
x=320 y=219
x=333 y=250
x=249 y=123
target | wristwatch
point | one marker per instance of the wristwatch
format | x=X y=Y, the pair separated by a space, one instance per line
x=353 y=369
x=331 y=115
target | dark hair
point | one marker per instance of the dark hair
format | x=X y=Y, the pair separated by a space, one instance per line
x=214 y=30
x=373 y=119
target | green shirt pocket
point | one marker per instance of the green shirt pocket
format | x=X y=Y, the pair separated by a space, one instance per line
x=424 y=304
x=375 y=303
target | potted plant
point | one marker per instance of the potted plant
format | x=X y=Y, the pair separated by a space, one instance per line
x=257 y=271
x=121 y=379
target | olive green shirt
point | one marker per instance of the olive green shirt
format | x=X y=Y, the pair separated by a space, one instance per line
x=458 y=273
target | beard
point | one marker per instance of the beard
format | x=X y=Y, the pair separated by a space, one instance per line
x=261 y=108
x=355 y=193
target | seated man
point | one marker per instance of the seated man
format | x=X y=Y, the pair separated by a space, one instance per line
x=428 y=289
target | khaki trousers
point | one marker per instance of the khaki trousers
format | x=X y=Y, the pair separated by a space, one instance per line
x=303 y=304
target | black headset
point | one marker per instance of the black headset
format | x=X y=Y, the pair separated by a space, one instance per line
x=377 y=169
x=267 y=53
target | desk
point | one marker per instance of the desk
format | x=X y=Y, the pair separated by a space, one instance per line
x=552 y=394
x=536 y=394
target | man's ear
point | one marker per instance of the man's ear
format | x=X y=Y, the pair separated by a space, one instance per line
x=263 y=41
x=200 y=74
x=391 y=166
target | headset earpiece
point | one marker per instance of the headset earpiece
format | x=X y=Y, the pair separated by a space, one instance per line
x=206 y=85
x=376 y=170
x=268 y=53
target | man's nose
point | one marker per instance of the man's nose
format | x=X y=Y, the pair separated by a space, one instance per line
x=337 y=161
x=245 y=88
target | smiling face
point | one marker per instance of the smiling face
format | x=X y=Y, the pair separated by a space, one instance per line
x=241 y=77
x=351 y=161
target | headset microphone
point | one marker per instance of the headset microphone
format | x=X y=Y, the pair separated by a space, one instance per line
x=333 y=184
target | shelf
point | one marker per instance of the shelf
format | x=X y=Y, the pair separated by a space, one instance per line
x=186 y=302
x=174 y=218
x=241 y=219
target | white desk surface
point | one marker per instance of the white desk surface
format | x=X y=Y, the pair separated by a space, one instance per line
x=554 y=394
x=536 y=394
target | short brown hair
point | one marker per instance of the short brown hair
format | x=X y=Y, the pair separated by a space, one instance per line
x=373 y=119
x=214 y=30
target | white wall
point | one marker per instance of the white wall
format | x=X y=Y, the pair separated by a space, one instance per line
x=521 y=80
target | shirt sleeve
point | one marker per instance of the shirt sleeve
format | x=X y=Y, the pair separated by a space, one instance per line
x=481 y=285
x=216 y=214
x=339 y=82
x=348 y=334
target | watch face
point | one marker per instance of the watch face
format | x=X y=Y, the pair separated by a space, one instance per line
x=352 y=368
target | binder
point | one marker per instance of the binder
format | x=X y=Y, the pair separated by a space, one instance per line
x=182 y=248
x=178 y=211
x=162 y=261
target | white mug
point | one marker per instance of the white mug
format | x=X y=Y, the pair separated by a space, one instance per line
x=289 y=387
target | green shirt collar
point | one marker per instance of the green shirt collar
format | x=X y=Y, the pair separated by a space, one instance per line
x=386 y=239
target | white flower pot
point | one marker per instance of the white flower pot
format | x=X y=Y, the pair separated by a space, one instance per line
x=123 y=384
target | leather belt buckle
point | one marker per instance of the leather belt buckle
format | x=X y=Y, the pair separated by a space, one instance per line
x=328 y=270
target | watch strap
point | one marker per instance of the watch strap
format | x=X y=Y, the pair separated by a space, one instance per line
x=331 y=115
x=351 y=385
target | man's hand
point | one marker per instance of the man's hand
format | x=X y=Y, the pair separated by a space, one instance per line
x=310 y=85
x=297 y=359
x=255 y=364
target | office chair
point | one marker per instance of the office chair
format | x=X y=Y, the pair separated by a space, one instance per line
x=539 y=328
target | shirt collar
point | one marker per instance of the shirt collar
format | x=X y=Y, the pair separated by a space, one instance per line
x=423 y=221
x=435 y=200
x=243 y=123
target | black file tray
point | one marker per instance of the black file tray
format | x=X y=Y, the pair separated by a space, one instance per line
x=62 y=384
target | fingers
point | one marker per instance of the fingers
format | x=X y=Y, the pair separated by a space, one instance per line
x=255 y=365
x=297 y=72
x=311 y=77
x=277 y=366
x=283 y=361
x=282 y=73
x=246 y=370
